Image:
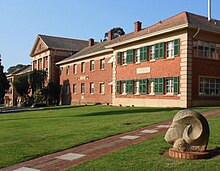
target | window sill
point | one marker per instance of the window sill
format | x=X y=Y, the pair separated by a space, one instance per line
x=137 y=94
x=137 y=62
x=151 y=94
x=169 y=94
x=124 y=94
x=124 y=64
x=102 y=69
x=102 y=93
x=152 y=60
x=170 y=58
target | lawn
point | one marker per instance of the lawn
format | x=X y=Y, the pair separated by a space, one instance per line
x=147 y=156
x=27 y=135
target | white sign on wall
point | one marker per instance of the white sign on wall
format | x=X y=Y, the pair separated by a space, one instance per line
x=143 y=70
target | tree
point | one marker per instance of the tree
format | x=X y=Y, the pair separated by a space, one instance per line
x=37 y=79
x=21 y=85
x=116 y=31
x=4 y=84
x=14 y=68
x=53 y=90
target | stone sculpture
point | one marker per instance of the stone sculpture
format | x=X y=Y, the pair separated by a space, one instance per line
x=189 y=131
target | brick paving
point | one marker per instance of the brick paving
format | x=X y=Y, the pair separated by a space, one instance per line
x=77 y=155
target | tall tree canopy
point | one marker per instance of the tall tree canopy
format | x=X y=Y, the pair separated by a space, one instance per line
x=116 y=31
x=21 y=85
x=14 y=68
x=4 y=84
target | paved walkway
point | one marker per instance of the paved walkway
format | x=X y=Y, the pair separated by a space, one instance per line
x=17 y=109
x=74 y=156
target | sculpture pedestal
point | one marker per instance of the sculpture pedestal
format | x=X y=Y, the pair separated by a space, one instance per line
x=187 y=155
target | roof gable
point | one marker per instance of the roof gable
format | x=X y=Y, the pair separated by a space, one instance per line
x=39 y=46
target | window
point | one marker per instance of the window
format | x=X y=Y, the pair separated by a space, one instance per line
x=137 y=55
x=92 y=87
x=169 y=86
x=136 y=87
x=151 y=52
x=123 y=87
x=118 y=87
x=158 y=86
x=151 y=86
x=74 y=88
x=206 y=50
x=129 y=87
x=170 y=49
x=209 y=86
x=102 y=63
x=143 y=53
x=92 y=65
x=102 y=88
x=67 y=89
x=83 y=67
x=159 y=50
x=68 y=70
x=130 y=56
x=124 y=58
x=75 y=69
x=83 y=88
x=143 y=86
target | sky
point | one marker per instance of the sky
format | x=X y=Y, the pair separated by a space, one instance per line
x=22 y=20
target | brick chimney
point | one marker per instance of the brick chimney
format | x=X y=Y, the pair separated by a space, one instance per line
x=91 y=42
x=137 y=26
x=110 y=35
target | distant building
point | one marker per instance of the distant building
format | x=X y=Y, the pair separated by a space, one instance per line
x=173 y=63
x=11 y=97
x=48 y=50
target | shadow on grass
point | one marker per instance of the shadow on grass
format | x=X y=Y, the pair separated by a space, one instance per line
x=214 y=152
x=128 y=111
x=123 y=111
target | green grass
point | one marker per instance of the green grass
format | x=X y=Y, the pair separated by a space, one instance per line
x=27 y=135
x=147 y=156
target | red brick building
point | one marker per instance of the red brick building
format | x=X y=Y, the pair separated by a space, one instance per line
x=173 y=63
x=11 y=97
x=48 y=50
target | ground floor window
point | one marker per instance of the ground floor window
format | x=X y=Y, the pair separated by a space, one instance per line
x=169 y=89
x=83 y=88
x=102 y=88
x=209 y=86
x=123 y=89
x=136 y=87
x=74 y=88
x=67 y=89
x=92 y=88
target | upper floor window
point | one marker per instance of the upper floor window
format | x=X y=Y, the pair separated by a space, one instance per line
x=75 y=69
x=151 y=52
x=83 y=67
x=206 y=50
x=170 y=49
x=102 y=63
x=137 y=55
x=124 y=58
x=68 y=70
x=92 y=65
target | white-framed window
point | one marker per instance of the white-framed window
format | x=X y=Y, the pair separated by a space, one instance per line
x=61 y=71
x=83 y=67
x=136 y=87
x=92 y=88
x=151 y=82
x=169 y=86
x=102 y=88
x=124 y=58
x=170 y=49
x=123 y=89
x=102 y=64
x=74 y=88
x=92 y=65
x=68 y=70
x=137 y=55
x=75 y=69
x=209 y=86
x=152 y=52
x=67 y=89
x=83 y=88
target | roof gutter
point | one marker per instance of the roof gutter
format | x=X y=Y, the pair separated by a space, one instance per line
x=84 y=56
x=149 y=35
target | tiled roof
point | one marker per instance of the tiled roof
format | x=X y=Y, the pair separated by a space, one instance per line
x=183 y=18
x=22 y=70
x=64 y=43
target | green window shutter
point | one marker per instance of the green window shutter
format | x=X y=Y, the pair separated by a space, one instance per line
x=158 y=85
x=119 y=58
x=130 y=56
x=176 y=85
x=143 y=53
x=176 y=47
x=118 y=87
x=129 y=87
x=143 y=86
x=159 y=50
